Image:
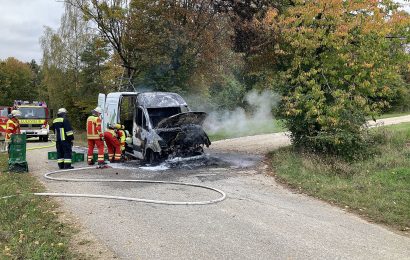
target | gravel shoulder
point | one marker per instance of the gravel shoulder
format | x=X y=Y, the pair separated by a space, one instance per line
x=260 y=219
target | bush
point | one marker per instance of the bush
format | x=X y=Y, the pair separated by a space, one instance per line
x=334 y=73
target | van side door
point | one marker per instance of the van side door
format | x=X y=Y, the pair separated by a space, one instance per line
x=140 y=131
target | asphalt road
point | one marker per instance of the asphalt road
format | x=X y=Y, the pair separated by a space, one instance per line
x=259 y=219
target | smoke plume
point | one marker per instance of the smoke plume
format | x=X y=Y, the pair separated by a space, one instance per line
x=240 y=122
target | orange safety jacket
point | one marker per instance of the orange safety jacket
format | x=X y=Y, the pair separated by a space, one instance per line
x=112 y=132
x=12 y=127
x=94 y=128
x=122 y=137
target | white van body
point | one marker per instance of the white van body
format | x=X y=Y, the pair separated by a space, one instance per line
x=157 y=121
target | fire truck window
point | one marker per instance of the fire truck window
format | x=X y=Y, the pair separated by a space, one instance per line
x=28 y=112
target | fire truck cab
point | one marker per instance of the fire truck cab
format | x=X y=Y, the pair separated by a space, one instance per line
x=34 y=118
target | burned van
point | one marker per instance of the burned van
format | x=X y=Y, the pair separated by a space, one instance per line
x=161 y=125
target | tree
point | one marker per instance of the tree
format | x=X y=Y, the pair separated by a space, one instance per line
x=334 y=64
x=62 y=64
x=165 y=45
x=16 y=81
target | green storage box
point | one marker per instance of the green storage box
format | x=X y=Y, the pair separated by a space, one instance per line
x=95 y=157
x=52 y=155
x=78 y=157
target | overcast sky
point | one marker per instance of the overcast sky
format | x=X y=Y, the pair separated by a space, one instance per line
x=22 y=24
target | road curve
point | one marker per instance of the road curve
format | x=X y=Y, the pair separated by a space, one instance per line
x=259 y=219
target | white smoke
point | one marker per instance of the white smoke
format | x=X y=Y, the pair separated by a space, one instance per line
x=239 y=122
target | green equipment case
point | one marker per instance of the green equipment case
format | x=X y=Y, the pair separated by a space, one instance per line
x=76 y=157
x=17 y=153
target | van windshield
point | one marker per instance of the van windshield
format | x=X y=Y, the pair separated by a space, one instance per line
x=33 y=112
x=157 y=114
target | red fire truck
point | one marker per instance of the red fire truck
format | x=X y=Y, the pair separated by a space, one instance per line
x=34 y=118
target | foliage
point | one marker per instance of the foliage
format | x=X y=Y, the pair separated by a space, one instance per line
x=18 y=80
x=227 y=94
x=181 y=46
x=335 y=64
x=74 y=66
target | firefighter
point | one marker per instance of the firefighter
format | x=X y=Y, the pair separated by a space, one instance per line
x=12 y=126
x=121 y=135
x=64 y=139
x=113 y=144
x=95 y=137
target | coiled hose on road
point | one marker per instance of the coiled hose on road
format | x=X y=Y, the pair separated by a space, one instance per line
x=49 y=177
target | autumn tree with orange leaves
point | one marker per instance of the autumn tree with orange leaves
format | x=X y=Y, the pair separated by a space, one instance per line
x=336 y=63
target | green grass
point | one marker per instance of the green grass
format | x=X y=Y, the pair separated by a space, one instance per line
x=29 y=228
x=378 y=188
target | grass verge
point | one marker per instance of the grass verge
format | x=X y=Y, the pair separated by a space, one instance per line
x=377 y=188
x=29 y=228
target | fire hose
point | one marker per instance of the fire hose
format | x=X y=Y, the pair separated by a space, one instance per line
x=165 y=202
x=49 y=177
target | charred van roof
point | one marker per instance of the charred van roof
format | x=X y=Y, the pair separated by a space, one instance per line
x=160 y=99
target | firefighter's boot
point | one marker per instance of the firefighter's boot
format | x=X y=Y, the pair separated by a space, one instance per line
x=68 y=166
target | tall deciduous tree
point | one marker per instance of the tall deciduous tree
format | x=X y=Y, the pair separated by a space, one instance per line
x=62 y=50
x=165 y=45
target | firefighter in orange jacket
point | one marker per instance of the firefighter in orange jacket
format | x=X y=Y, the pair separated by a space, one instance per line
x=12 y=126
x=113 y=144
x=95 y=137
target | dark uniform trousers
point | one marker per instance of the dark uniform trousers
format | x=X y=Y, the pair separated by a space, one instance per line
x=64 y=153
x=64 y=138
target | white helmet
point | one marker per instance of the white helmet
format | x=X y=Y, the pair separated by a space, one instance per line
x=62 y=111
x=16 y=113
x=98 y=110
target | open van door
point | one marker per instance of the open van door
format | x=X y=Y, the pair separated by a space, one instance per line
x=101 y=103
x=113 y=106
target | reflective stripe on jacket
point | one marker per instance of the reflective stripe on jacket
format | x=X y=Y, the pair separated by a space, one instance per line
x=122 y=137
x=12 y=127
x=94 y=127
x=62 y=129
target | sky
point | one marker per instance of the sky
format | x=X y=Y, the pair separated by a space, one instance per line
x=22 y=24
